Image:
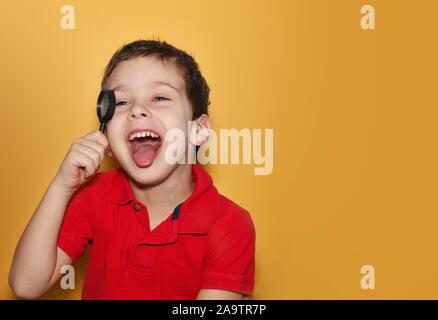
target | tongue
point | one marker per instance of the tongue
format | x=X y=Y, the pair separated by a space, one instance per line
x=144 y=154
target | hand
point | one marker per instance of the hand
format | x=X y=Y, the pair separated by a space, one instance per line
x=82 y=161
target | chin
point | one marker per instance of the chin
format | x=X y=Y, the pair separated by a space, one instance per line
x=154 y=174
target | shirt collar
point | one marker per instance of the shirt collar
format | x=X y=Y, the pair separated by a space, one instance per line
x=196 y=214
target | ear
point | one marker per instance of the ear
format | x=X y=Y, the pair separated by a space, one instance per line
x=200 y=132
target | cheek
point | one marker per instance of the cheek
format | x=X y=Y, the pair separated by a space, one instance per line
x=117 y=119
x=174 y=119
x=114 y=130
x=118 y=114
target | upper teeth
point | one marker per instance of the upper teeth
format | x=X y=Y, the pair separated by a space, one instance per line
x=143 y=134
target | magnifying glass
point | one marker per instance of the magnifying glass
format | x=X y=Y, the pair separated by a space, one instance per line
x=106 y=105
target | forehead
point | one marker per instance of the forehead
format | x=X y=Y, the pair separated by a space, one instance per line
x=146 y=71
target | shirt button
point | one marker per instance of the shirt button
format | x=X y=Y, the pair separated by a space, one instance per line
x=137 y=207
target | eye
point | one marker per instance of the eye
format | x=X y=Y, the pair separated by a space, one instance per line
x=160 y=97
x=121 y=103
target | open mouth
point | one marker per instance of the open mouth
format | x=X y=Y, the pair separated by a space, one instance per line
x=144 y=146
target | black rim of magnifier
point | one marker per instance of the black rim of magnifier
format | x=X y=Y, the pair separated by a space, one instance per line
x=104 y=119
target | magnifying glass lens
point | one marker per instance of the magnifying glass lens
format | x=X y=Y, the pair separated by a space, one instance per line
x=104 y=105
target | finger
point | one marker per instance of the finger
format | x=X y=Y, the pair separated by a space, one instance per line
x=90 y=152
x=94 y=145
x=99 y=137
x=82 y=160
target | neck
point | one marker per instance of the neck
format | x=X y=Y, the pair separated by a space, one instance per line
x=165 y=196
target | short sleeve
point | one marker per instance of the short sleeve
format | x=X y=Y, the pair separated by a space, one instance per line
x=230 y=255
x=76 y=230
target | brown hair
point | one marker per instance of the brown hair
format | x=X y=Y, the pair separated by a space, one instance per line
x=197 y=90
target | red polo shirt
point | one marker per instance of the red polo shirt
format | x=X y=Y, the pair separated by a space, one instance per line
x=207 y=242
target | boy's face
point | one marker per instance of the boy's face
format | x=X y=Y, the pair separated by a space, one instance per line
x=150 y=96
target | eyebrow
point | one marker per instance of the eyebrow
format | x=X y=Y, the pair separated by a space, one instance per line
x=119 y=87
x=158 y=83
x=155 y=83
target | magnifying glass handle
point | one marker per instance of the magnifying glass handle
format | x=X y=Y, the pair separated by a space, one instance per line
x=102 y=127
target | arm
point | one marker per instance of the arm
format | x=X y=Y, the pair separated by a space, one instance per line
x=214 y=294
x=37 y=260
x=33 y=266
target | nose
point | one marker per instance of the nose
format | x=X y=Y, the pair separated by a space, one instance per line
x=139 y=110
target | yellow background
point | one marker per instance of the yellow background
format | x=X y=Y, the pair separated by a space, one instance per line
x=353 y=111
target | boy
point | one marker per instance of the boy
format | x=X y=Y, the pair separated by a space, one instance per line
x=157 y=229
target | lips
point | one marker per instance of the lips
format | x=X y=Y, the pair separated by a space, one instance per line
x=144 y=145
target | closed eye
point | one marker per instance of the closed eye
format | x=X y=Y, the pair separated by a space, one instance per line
x=122 y=103
x=160 y=97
